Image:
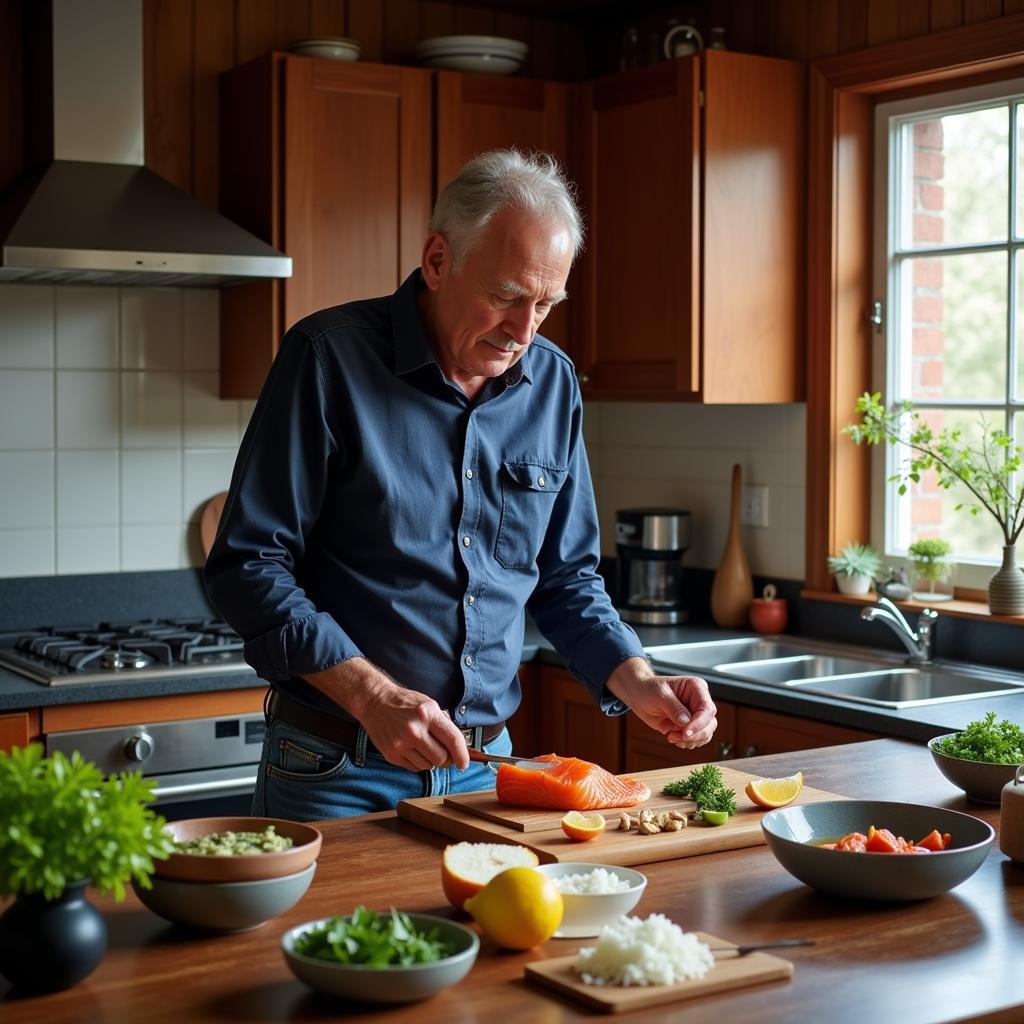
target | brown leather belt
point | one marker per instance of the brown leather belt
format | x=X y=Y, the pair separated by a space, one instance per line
x=346 y=734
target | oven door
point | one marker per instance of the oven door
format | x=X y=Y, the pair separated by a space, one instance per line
x=207 y=793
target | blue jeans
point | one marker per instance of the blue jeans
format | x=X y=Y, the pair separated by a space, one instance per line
x=306 y=778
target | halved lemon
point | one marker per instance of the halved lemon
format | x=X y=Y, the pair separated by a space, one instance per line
x=773 y=793
x=467 y=867
x=582 y=827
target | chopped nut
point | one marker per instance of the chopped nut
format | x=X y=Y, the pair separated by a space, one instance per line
x=625 y=822
x=673 y=825
x=648 y=828
x=646 y=814
x=677 y=816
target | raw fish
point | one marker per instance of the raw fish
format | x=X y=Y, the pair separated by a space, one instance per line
x=569 y=785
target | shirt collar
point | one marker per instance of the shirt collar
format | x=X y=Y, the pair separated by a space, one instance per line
x=412 y=346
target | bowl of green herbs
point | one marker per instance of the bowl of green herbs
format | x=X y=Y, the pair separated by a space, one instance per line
x=981 y=758
x=387 y=957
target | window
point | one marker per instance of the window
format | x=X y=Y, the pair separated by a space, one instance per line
x=949 y=279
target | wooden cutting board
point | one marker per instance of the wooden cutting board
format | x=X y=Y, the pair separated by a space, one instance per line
x=729 y=972
x=478 y=817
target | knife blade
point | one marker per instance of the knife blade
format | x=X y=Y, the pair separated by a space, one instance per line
x=778 y=944
x=519 y=762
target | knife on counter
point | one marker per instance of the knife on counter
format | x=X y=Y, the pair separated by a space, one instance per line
x=519 y=762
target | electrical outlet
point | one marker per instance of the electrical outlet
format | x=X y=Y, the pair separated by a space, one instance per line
x=754 y=506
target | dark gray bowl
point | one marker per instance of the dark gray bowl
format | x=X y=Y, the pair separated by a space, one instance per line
x=792 y=833
x=392 y=984
x=982 y=781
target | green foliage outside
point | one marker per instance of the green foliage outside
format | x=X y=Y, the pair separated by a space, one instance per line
x=986 y=468
x=61 y=822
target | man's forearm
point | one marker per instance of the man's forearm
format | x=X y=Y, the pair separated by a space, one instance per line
x=355 y=685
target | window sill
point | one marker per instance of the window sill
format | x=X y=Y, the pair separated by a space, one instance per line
x=961 y=607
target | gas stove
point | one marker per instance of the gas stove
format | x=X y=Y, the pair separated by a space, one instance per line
x=151 y=649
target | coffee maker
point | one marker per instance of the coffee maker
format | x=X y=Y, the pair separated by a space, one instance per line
x=649 y=544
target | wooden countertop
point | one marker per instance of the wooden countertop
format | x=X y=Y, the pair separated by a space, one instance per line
x=952 y=958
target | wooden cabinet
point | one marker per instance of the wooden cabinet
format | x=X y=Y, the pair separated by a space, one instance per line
x=18 y=728
x=646 y=749
x=692 y=179
x=475 y=113
x=767 y=732
x=330 y=162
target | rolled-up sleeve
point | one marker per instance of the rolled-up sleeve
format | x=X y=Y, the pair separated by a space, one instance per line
x=276 y=494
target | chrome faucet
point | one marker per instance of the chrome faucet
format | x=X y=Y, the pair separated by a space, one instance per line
x=919 y=644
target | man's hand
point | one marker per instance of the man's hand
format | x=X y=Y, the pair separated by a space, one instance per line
x=679 y=707
x=408 y=728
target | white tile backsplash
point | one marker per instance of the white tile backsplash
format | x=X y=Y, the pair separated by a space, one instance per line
x=88 y=328
x=26 y=327
x=26 y=409
x=96 y=411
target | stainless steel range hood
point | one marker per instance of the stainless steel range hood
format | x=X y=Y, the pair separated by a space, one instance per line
x=97 y=215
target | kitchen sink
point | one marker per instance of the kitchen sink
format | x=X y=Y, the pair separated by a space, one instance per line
x=832 y=670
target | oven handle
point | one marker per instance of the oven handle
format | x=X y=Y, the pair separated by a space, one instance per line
x=188 y=789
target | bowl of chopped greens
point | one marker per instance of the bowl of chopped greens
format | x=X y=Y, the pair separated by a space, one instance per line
x=981 y=758
x=386 y=957
x=238 y=849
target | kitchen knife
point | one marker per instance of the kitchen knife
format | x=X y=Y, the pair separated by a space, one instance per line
x=744 y=950
x=519 y=762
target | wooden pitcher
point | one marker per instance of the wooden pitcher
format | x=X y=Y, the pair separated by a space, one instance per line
x=733 y=589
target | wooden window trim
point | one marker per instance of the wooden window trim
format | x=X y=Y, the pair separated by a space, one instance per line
x=844 y=91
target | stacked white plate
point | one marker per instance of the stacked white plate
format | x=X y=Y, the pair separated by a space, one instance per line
x=331 y=47
x=489 y=54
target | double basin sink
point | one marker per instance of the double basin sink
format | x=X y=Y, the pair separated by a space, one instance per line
x=830 y=670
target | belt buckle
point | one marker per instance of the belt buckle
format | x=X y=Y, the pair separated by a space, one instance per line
x=474 y=736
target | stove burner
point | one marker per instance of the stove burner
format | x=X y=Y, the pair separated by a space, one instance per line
x=121 y=659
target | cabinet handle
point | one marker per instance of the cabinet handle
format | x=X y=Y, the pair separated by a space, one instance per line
x=725 y=749
x=750 y=750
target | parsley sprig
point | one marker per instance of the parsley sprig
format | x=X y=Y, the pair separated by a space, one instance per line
x=986 y=739
x=375 y=940
x=705 y=787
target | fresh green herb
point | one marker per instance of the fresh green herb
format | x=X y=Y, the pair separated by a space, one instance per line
x=62 y=822
x=705 y=787
x=986 y=740
x=375 y=940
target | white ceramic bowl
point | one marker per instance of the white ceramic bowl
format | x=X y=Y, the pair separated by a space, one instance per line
x=225 y=906
x=476 y=44
x=391 y=984
x=478 y=63
x=586 y=914
x=794 y=833
x=332 y=48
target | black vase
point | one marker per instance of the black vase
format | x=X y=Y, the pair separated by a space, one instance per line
x=49 y=945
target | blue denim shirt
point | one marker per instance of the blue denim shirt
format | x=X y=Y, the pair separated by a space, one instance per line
x=375 y=510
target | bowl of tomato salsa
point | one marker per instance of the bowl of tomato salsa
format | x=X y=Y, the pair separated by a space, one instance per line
x=877 y=849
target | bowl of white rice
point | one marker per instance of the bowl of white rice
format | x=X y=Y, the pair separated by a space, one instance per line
x=593 y=895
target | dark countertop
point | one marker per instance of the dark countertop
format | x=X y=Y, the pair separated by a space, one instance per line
x=919 y=723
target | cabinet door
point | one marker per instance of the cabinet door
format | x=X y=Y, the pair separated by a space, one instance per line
x=331 y=162
x=476 y=113
x=765 y=732
x=647 y=750
x=573 y=725
x=18 y=729
x=638 y=162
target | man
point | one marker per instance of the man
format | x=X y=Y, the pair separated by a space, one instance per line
x=412 y=482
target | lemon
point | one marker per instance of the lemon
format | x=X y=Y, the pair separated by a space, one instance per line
x=775 y=792
x=518 y=908
x=582 y=827
x=467 y=867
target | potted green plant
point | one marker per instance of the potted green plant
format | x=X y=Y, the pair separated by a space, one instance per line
x=989 y=469
x=855 y=568
x=933 y=569
x=62 y=826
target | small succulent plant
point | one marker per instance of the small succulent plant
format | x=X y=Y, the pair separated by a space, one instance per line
x=856 y=560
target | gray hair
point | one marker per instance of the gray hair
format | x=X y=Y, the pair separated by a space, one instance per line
x=533 y=183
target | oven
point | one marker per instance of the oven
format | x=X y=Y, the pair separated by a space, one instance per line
x=201 y=766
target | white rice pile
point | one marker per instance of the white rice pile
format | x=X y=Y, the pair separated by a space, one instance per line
x=598 y=882
x=644 y=951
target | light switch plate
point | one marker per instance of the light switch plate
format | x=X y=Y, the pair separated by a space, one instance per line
x=754 y=506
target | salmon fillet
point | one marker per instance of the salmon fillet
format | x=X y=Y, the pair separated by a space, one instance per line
x=570 y=785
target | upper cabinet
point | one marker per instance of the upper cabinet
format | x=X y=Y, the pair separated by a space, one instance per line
x=476 y=113
x=692 y=179
x=332 y=163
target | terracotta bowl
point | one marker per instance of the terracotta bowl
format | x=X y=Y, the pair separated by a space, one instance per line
x=199 y=867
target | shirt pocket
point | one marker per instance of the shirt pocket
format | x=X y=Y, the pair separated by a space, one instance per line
x=528 y=493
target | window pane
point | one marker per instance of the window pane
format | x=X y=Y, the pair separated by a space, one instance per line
x=954 y=181
x=928 y=510
x=952 y=327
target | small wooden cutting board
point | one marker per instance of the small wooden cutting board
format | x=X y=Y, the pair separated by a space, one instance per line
x=479 y=818
x=729 y=972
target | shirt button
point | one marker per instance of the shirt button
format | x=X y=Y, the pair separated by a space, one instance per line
x=462 y=710
x=540 y=481
x=465 y=542
x=468 y=660
x=469 y=474
x=471 y=600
